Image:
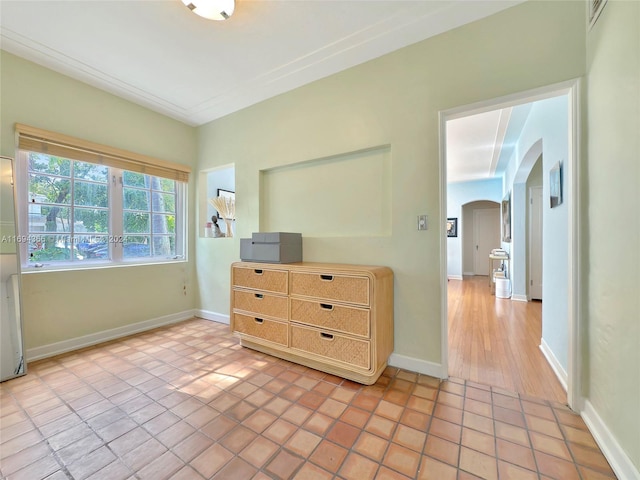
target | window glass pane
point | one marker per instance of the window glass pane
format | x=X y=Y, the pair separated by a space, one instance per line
x=46 y=189
x=135 y=246
x=135 y=222
x=90 y=220
x=51 y=247
x=39 y=162
x=164 y=224
x=164 y=246
x=167 y=185
x=132 y=179
x=90 y=171
x=49 y=219
x=136 y=199
x=90 y=194
x=164 y=202
x=92 y=247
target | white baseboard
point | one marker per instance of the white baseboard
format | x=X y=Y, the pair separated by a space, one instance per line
x=213 y=316
x=555 y=364
x=469 y=274
x=64 y=346
x=417 y=365
x=519 y=298
x=454 y=277
x=620 y=462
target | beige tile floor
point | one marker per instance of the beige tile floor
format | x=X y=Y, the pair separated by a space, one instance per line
x=187 y=402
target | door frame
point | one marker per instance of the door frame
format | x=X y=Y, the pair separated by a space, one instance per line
x=573 y=90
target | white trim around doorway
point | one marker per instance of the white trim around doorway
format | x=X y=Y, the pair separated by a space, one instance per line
x=572 y=89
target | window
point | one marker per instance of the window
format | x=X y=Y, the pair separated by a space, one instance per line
x=76 y=212
x=68 y=209
x=77 y=215
x=149 y=216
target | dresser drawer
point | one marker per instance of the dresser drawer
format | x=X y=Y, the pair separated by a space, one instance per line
x=261 y=304
x=340 y=318
x=332 y=346
x=262 y=328
x=261 y=279
x=340 y=288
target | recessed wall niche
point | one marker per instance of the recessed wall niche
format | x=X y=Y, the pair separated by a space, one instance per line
x=210 y=183
x=347 y=194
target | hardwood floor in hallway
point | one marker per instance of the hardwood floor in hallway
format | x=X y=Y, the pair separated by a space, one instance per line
x=495 y=341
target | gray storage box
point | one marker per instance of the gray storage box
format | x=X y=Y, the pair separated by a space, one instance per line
x=272 y=247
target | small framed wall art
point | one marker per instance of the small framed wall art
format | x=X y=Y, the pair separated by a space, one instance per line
x=506 y=218
x=555 y=185
x=452 y=227
x=227 y=194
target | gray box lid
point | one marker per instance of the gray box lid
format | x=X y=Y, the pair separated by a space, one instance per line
x=276 y=237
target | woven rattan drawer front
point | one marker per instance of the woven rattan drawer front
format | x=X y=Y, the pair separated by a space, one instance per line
x=261 y=303
x=340 y=288
x=261 y=279
x=333 y=346
x=340 y=318
x=262 y=328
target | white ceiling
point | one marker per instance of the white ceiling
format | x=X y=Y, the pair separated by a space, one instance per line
x=160 y=55
x=474 y=145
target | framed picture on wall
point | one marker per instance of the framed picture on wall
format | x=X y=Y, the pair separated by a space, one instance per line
x=506 y=218
x=225 y=194
x=452 y=227
x=555 y=185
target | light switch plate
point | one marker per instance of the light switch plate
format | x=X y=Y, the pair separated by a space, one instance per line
x=422 y=222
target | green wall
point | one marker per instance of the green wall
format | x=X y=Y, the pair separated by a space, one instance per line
x=63 y=305
x=613 y=222
x=393 y=100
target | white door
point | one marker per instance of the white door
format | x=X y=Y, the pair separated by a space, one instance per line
x=486 y=237
x=535 y=243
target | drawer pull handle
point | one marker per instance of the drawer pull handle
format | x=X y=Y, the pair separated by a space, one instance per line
x=259 y=320
x=258 y=271
x=326 y=306
x=327 y=278
x=259 y=296
x=326 y=336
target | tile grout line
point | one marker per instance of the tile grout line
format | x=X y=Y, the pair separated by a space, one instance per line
x=495 y=434
x=566 y=442
x=526 y=426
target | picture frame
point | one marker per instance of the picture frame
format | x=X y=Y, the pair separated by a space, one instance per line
x=555 y=185
x=225 y=194
x=452 y=227
x=506 y=218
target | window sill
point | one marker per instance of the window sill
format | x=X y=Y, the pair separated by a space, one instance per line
x=32 y=269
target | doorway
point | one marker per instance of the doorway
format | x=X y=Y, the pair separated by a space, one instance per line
x=517 y=248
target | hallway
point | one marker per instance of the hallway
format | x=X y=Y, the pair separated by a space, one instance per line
x=494 y=341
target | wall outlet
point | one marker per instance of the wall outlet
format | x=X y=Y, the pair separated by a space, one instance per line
x=422 y=222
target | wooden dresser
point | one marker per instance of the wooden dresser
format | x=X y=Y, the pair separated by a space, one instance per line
x=331 y=317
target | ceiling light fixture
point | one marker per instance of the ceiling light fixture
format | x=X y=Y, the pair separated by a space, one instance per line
x=211 y=9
